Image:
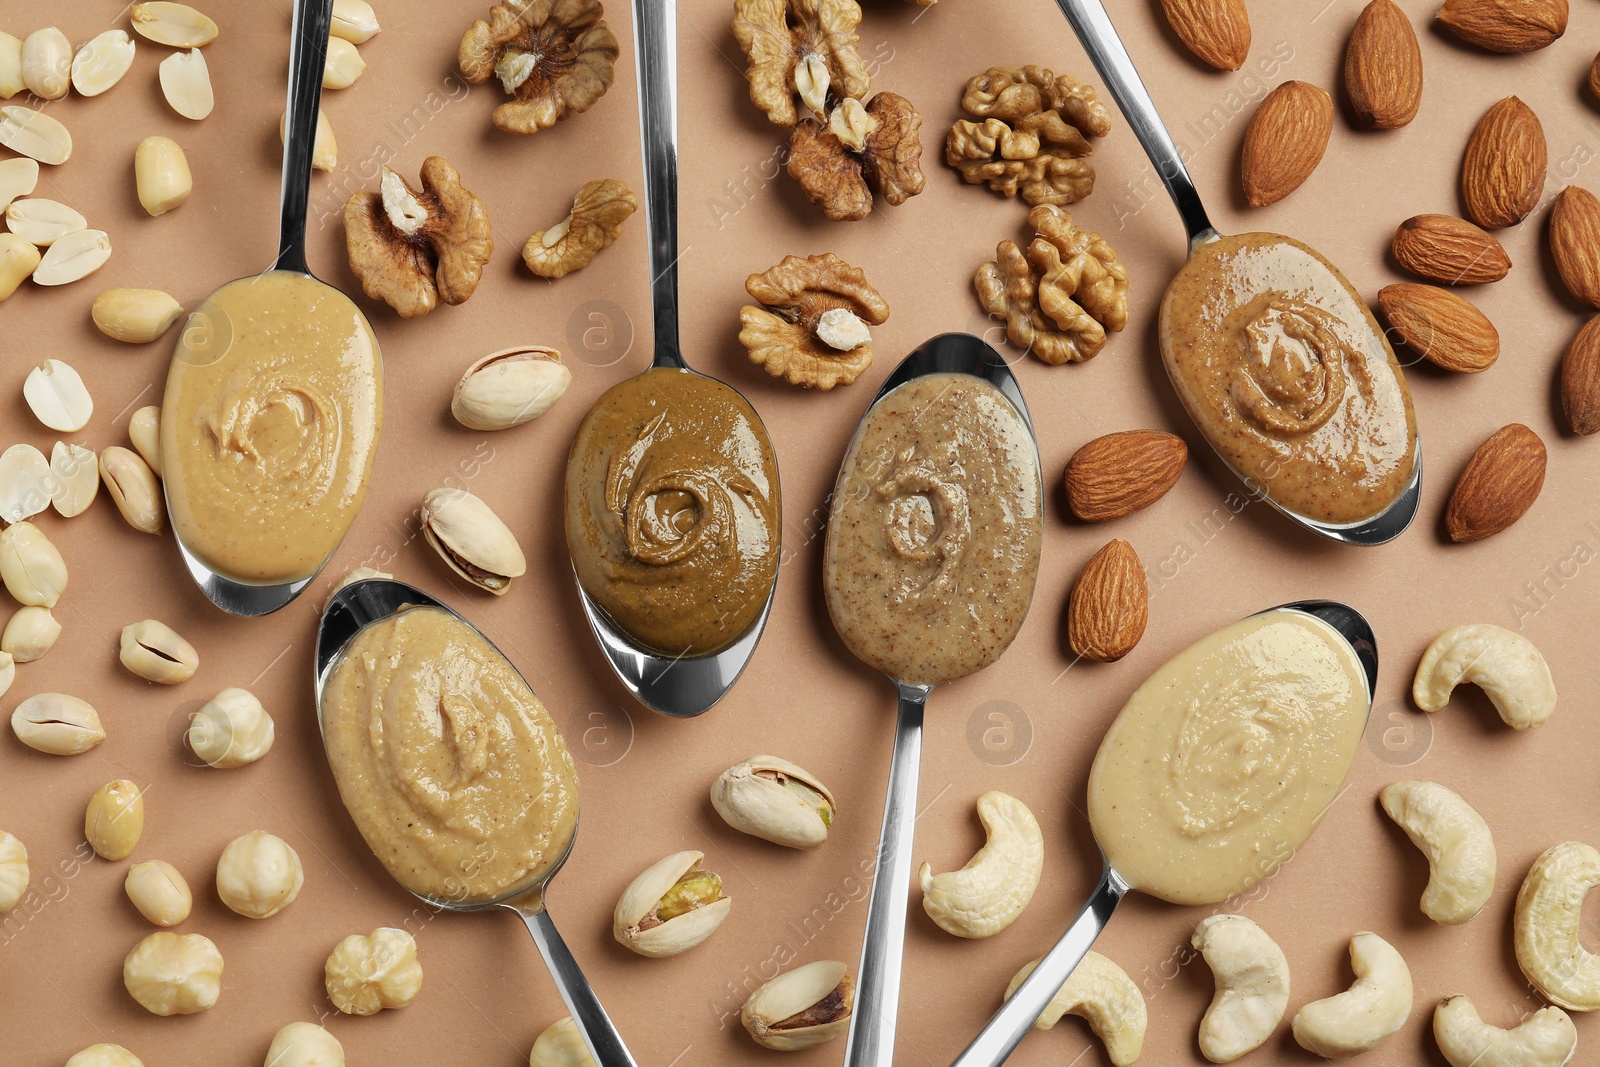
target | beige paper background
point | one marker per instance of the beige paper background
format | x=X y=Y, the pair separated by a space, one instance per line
x=1028 y=725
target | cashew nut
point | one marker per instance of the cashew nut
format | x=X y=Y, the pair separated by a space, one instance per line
x=1252 y=978
x=1457 y=842
x=1370 y=1010
x=1504 y=664
x=1549 y=905
x=987 y=895
x=1546 y=1038
x=1100 y=993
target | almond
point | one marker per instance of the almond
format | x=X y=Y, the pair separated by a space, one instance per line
x=1594 y=77
x=1217 y=31
x=1440 y=325
x=1285 y=141
x=1498 y=486
x=1110 y=604
x=1506 y=25
x=1575 y=242
x=1120 y=473
x=1580 y=380
x=1383 y=67
x=1502 y=172
x=1453 y=251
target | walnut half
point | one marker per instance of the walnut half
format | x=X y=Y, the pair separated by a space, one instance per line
x=595 y=221
x=1062 y=296
x=551 y=56
x=1032 y=134
x=413 y=248
x=804 y=48
x=861 y=150
x=811 y=329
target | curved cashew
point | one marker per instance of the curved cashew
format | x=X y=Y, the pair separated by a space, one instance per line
x=1252 y=978
x=1363 y=1015
x=1502 y=663
x=1100 y=993
x=1546 y=926
x=986 y=895
x=1457 y=842
x=1546 y=1038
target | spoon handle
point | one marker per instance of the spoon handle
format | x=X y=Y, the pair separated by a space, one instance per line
x=599 y=1032
x=872 y=1021
x=656 y=47
x=308 y=49
x=1099 y=37
x=998 y=1039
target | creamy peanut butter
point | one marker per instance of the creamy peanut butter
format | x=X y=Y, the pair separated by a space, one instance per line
x=450 y=766
x=273 y=405
x=673 y=511
x=1282 y=366
x=934 y=530
x=1222 y=763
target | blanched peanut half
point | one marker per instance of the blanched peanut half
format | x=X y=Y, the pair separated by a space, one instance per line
x=34 y=134
x=1457 y=842
x=1546 y=1038
x=324 y=147
x=57 y=396
x=155 y=652
x=354 y=21
x=74 y=479
x=42 y=220
x=186 y=84
x=174 y=25
x=343 y=64
x=24 y=484
x=13 y=872
x=1546 y=926
x=1370 y=1010
x=1102 y=995
x=58 y=724
x=136 y=316
x=47 y=63
x=1252 y=986
x=29 y=634
x=1501 y=662
x=134 y=489
x=161 y=175
x=102 y=62
x=75 y=256
x=144 y=430
x=114 y=819
x=8 y=675
x=159 y=892
x=18 y=177
x=988 y=894
x=11 y=80
x=18 y=260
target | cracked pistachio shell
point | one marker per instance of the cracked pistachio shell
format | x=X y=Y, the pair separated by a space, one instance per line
x=678 y=934
x=472 y=539
x=509 y=388
x=32 y=569
x=790 y=994
x=56 y=723
x=751 y=797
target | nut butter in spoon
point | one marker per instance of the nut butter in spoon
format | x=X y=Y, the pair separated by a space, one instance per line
x=274 y=398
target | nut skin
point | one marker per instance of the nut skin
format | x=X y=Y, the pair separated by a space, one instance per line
x=1506 y=25
x=1503 y=663
x=1503 y=168
x=1450 y=251
x=1546 y=1038
x=1102 y=994
x=1580 y=380
x=1456 y=841
x=1498 y=486
x=13 y=872
x=1383 y=67
x=173 y=974
x=230 y=730
x=367 y=973
x=636 y=925
x=57 y=724
x=509 y=387
x=1115 y=475
x=802 y=1008
x=472 y=539
x=1375 y=1006
x=114 y=819
x=259 y=875
x=1575 y=242
x=157 y=653
x=986 y=896
x=841 y=179
x=104 y=1055
x=441 y=259
x=1252 y=986
x=781 y=334
x=1285 y=141
x=1110 y=604
x=778 y=801
x=1216 y=31
x=134 y=489
x=575 y=55
x=304 y=1045
x=31 y=566
x=1443 y=326
x=159 y=892
x=1545 y=926
x=785 y=40
x=595 y=221
x=560 y=1045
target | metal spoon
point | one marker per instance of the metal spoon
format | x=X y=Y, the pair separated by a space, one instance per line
x=351 y=610
x=1100 y=41
x=308 y=47
x=872 y=1021
x=673 y=685
x=997 y=1040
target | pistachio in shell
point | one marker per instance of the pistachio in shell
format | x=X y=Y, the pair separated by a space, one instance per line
x=510 y=387
x=770 y=798
x=670 y=908
x=472 y=539
x=804 y=1008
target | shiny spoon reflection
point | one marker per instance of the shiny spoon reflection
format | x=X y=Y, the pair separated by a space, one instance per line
x=365 y=603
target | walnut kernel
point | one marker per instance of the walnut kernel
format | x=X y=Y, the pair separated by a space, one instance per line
x=594 y=222
x=804 y=48
x=552 y=57
x=811 y=329
x=1032 y=134
x=861 y=150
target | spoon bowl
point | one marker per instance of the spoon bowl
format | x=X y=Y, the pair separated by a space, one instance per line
x=365 y=603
